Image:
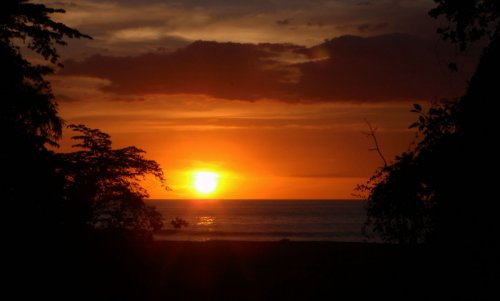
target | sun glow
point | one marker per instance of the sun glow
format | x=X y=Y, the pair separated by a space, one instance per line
x=205 y=182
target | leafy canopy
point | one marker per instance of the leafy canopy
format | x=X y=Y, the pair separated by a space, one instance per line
x=404 y=196
x=103 y=184
x=468 y=20
x=436 y=192
x=28 y=107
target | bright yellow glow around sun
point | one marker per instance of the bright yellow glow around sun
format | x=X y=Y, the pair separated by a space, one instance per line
x=205 y=182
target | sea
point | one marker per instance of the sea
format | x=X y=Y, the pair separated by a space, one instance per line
x=263 y=220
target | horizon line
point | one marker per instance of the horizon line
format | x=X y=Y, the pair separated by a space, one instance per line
x=253 y=199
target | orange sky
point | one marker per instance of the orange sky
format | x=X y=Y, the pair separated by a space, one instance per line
x=266 y=150
x=274 y=120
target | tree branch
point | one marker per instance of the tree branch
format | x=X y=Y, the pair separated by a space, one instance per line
x=371 y=133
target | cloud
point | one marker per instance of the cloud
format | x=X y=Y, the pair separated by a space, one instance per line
x=284 y=22
x=338 y=174
x=373 y=27
x=224 y=70
x=78 y=88
x=113 y=23
x=382 y=68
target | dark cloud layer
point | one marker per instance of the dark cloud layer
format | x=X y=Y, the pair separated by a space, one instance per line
x=224 y=70
x=383 y=68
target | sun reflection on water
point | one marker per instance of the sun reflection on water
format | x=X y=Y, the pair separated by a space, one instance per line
x=206 y=221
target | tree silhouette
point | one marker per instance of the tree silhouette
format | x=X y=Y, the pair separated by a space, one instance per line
x=469 y=20
x=102 y=186
x=403 y=196
x=439 y=191
x=28 y=104
x=28 y=112
x=95 y=188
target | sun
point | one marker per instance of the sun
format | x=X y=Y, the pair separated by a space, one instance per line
x=205 y=181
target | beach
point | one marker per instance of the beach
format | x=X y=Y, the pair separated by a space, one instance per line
x=236 y=270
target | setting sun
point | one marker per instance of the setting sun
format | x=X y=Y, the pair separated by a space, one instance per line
x=205 y=181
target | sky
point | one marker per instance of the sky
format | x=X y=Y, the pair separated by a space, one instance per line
x=272 y=95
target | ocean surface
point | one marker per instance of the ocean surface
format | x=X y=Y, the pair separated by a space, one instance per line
x=263 y=220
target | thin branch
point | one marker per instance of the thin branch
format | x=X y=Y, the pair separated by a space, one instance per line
x=371 y=133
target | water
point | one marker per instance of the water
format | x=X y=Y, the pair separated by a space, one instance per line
x=263 y=220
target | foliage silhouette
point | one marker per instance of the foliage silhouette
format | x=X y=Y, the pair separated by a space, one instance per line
x=96 y=188
x=102 y=186
x=178 y=223
x=439 y=191
x=28 y=103
x=469 y=20
x=402 y=195
x=28 y=112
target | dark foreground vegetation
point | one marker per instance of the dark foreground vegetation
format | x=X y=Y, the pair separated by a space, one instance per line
x=228 y=270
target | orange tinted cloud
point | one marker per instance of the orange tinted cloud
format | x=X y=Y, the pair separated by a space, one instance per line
x=225 y=70
x=383 y=68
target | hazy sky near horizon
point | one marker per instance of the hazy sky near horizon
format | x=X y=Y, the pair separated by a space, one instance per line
x=271 y=94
